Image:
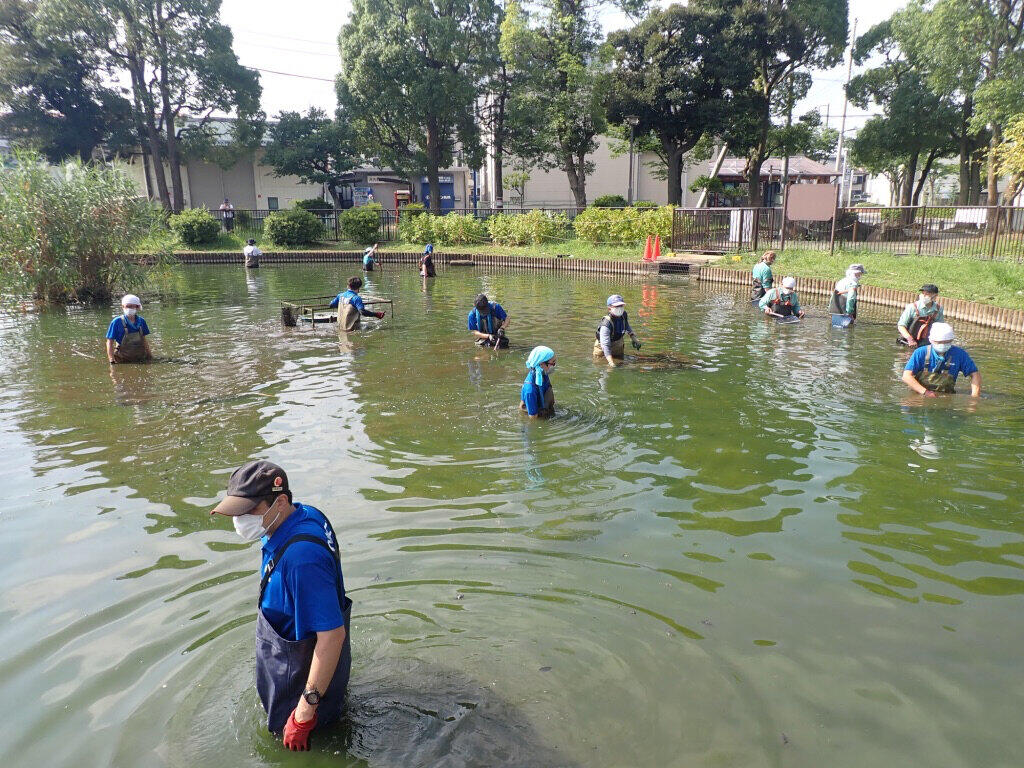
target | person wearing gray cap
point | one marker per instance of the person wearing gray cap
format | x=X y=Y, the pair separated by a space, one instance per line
x=844 y=294
x=608 y=339
x=303 y=648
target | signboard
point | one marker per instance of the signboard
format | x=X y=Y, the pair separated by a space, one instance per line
x=361 y=195
x=444 y=178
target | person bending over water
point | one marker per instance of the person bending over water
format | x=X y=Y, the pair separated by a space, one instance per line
x=762 y=274
x=350 y=306
x=782 y=302
x=934 y=367
x=844 y=294
x=427 y=262
x=538 y=398
x=916 y=321
x=303 y=616
x=487 y=321
x=612 y=330
x=126 y=335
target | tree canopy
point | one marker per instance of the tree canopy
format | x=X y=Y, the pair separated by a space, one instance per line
x=314 y=147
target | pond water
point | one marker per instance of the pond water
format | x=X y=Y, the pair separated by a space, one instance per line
x=777 y=557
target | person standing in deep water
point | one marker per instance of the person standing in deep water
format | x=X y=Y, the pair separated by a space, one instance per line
x=369 y=256
x=427 y=262
x=487 y=321
x=762 y=276
x=350 y=306
x=844 y=293
x=252 y=254
x=610 y=334
x=915 y=323
x=934 y=367
x=537 y=397
x=126 y=335
x=782 y=302
x=303 y=617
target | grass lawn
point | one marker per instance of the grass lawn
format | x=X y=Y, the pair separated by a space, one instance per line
x=991 y=282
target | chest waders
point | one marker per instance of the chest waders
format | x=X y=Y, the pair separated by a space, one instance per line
x=617 y=343
x=491 y=326
x=759 y=289
x=132 y=347
x=837 y=306
x=349 y=318
x=427 y=267
x=938 y=380
x=252 y=261
x=780 y=307
x=282 y=666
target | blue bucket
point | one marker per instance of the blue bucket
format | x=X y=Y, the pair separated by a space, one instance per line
x=841 y=321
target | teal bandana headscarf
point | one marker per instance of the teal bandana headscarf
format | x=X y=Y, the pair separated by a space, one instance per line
x=537 y=356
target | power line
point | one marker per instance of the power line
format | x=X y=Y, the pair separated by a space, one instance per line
x=291 y=74
x=283 y=37
x=291 y=50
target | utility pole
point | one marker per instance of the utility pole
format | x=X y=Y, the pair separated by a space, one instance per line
x=632 y=120
x=785 y=148
x=846 y=100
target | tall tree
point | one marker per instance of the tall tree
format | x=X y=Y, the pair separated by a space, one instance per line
x=677 y=72
x=915 y=124
x=179 y=60
x=408 y=82
x=314 y=147
x=559 y=46
x=52 y=92
x=786 y=36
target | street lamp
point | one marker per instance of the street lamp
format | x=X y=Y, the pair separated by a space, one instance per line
x=632 y=121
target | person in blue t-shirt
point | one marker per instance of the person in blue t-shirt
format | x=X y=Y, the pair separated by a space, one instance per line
x=126 y=334
x=935 y=367
x=303 y=647
x=368 y=257
x=487 y=321
x=350 y=306
x=537 y=396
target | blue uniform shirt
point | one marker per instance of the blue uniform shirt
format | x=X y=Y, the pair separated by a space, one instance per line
x=533 y=396
x=301 y=597
x=117 y=327
x=475 y=320
x=959 y=362
x=353 y=299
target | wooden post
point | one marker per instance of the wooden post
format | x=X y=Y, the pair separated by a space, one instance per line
x=920 y=233
x=785 y=210
x=757 y=228
x=835 y=217
x=855 y=220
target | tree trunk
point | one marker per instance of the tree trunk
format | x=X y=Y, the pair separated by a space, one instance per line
x=433 y=170
x=992 y=182
x=924 y=176
x=574 y=170
x=974 y=196
x=145 y=105
x=499 y=148
x=966 y=148
x=674 y=160
x=754 y=163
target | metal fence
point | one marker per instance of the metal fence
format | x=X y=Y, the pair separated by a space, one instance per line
x=990 y=232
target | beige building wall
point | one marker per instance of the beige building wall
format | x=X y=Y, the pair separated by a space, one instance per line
x=133 y=167
x=610 y=177
x=287 y=189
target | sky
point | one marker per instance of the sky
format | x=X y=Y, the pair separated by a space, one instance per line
x=303 y=41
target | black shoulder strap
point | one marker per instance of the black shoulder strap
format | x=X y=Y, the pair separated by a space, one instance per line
x=273 y=562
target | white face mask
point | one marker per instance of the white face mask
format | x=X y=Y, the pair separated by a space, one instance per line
x=943 y=347
x=130 y=311
x=853 y=277
x=249 y=526
x=618 y=311
x=925 y=301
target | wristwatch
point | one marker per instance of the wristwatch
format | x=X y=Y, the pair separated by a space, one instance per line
x=312 y=697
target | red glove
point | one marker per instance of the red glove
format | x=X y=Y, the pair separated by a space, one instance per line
x=378 y=315
x=296 y=734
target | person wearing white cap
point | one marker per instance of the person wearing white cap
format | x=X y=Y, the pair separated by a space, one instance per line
x=844 y=294
x=610 y=334
x=126 y=335
x=783 y=301
x=935 y=367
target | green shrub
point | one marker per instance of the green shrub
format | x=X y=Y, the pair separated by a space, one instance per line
x=417 y=226
x=243 y=219
x=645 y=204
x=70 y=236
x=312 y=204
x=361 y=225
x=293 y=227
x=628 y=225
x=609 y=201
x=530 y=228
x=456 y=229
x=194 y=226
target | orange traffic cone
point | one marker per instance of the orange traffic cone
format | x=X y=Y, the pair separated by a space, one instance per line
x=657 y=247
x=648 y=255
